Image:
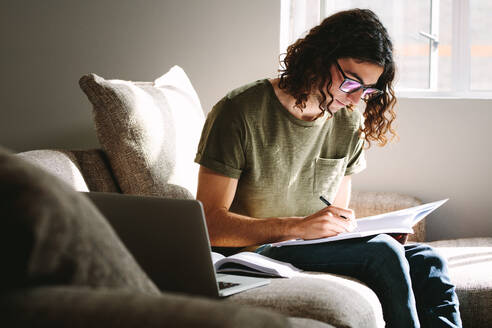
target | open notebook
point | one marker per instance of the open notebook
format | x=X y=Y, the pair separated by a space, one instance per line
x=400 y=221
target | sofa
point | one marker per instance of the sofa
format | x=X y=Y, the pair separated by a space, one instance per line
x=64 y=266
x=148 y=132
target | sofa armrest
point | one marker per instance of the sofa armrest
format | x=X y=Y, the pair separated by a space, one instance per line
x=83 y=170
x=84 y=307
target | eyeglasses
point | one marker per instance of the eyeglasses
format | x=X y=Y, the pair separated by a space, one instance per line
x=350 y=86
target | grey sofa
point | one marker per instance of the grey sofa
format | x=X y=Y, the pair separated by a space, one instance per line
x=148 y=134
x=64 y=266
x=339 y=301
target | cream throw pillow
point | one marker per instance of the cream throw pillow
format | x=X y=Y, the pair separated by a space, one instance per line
x=150 y=132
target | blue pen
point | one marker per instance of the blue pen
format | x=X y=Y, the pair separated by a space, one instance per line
x=327 y=202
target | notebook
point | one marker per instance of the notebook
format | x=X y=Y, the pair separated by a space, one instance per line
x=169 y=240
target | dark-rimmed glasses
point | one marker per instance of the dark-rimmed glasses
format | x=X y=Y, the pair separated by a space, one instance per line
x=350 y=86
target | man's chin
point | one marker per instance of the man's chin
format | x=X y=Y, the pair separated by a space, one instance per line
x=335 y=109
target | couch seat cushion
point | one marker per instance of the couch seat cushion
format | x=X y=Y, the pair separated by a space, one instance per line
x=339 y=301
x=470 y=268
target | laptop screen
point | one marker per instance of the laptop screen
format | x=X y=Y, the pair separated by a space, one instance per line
x=167 y=237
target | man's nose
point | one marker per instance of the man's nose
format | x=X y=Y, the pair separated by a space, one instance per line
x=354 y=97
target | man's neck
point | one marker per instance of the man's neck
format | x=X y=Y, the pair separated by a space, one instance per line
x=309 y=113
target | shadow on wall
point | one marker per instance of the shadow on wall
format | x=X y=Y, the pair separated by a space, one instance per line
x=62 y=136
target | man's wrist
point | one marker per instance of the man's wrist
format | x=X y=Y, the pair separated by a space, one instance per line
x=290 y=228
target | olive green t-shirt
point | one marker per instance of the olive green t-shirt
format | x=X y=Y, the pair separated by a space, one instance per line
x=283 y=163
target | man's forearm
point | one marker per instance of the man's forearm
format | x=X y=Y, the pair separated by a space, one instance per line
x=234 y=230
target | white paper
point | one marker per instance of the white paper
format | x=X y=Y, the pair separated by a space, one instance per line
x=400 y=221
x=258 y=263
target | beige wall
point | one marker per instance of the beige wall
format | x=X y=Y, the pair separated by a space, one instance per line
x=445 y=151
x=47 y=45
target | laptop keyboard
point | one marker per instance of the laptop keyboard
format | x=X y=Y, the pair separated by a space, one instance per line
x=224 y=285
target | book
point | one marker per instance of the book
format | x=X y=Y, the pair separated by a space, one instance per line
x=400 y=221
x=253 y=263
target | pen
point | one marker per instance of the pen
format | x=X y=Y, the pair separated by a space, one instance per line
x=327 y=202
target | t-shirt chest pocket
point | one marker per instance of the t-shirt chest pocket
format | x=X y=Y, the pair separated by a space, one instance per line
x=328 y=174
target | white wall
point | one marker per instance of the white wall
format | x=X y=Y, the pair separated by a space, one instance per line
x=47 y=45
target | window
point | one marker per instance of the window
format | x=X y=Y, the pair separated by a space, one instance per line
x=442 y=47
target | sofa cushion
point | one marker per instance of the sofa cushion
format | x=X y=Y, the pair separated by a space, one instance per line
x=339 y=301
x=149 y=130
x=84 y=170
x=52 y=235
x=470 y=269
x=81 y=307
x=59 y=164
x=95 y=169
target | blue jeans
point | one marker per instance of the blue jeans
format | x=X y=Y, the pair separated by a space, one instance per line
x=411 y=281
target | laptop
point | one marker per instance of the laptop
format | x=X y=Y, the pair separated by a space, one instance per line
x=168 y=238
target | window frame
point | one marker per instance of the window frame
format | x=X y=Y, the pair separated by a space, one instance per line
x=307 y=13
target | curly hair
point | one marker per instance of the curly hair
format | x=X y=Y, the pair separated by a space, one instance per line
x=356 y=34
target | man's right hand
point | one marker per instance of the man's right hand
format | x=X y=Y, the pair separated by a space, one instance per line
x=326 y=223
